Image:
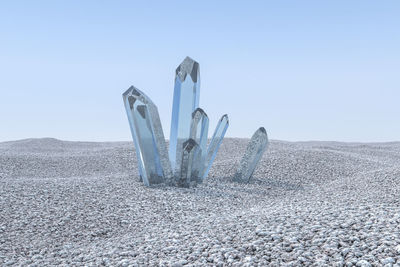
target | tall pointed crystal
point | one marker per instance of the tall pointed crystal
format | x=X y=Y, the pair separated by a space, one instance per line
x=186 y=100
x=199 y=133
x=254 y=151
x=188 y=153
x=216 y=141
x=151 y=150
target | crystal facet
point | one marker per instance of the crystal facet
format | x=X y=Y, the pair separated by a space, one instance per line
x=186 y=100
x=199 y=133
x=151 y=150
x=188 y=153
x=254 y=151
x=216 y=141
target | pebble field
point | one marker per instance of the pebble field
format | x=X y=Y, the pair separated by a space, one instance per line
x=308 y=204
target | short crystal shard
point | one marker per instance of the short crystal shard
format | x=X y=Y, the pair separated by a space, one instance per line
x=186 y=100
x=152 y=156
x=188 y=153
x=254 y=151
x=199 y=133
x=216 y=141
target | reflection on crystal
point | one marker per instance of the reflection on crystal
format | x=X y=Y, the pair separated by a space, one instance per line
x=254 y=151
x=216 y=141
x=186 y=100
x=152 y=156
x=188 y=153
x=199 y=133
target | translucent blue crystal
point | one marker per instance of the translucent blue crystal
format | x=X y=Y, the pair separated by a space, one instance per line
x=188 y=154
x=186 y=100
x=254 y=151
x=216 y=141
x=199 y=133
x=151 y=150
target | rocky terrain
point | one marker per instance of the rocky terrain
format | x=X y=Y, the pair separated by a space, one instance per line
x=309 y=203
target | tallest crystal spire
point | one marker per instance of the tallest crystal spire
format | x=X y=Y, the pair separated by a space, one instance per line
x=186 y=100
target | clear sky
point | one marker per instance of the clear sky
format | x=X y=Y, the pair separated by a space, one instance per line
x=305 y=70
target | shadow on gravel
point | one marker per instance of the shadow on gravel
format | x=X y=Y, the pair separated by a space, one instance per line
x=256 y=186
x=273 y=183
x=225 y=187
x=263 y=183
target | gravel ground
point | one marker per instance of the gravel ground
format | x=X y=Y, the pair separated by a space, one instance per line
x=309 y=203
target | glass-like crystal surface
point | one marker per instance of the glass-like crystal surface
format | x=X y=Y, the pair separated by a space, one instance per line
x=216 y=141
x=188 y=154
x=254 y=151
x=199 y=133
x=186 y=100
x=152 y=155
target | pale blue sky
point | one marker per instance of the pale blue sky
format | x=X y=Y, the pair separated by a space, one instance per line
x=305 y=70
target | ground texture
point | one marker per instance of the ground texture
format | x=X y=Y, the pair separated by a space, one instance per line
x=314 y=203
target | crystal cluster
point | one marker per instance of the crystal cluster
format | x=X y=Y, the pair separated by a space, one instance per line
x=189 y=159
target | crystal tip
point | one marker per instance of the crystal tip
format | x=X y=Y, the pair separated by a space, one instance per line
x=199 y=110
x=225 y=116
x=133 y=93
x=262 y=129
x=188 y=66
x=130 y=89
x=189 y=144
